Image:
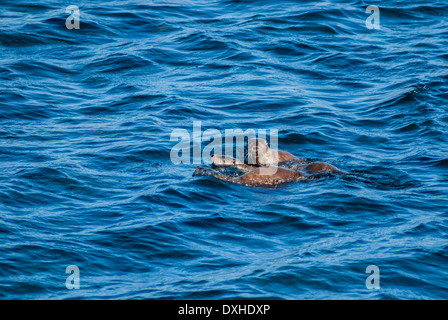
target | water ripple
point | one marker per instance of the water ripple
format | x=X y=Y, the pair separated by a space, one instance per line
x=86 y=178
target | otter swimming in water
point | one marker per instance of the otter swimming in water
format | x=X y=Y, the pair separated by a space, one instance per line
x=260 y=154
x=266 y=167
x=254 y=177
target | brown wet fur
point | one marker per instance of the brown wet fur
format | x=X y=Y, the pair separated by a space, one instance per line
x=281 y=175
x=284 y=156
x=261 y=154
x=255 y=177
x=321 y=167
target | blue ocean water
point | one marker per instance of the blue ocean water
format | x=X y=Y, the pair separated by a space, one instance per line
x=86 y=177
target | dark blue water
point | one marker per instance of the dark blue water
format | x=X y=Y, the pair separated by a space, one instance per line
x=86 y=177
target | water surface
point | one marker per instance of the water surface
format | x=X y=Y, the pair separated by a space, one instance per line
x=86 y=177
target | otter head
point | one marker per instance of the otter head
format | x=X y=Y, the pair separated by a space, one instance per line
x=259 y=153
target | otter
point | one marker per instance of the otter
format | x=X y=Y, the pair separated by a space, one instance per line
x=255 y=177
x=260 y=155
x=221 y=161
x=267 y=167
